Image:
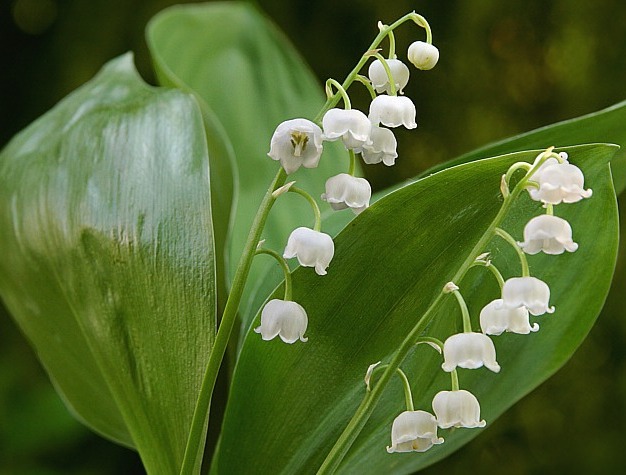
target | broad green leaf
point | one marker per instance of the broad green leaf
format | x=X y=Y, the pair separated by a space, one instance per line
x=390 y=263
x=606 y=125
x=248 y=73
x=107 y=267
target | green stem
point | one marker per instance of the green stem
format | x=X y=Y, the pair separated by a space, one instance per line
x=550 y=209
x=407 y=390
x=195 y=441
x=366 y=82
x=352 y=168
x=467 y=323
x=392 y=81
x=344 y=95
x=494 y=270
x=392 y=45
x=454 y=380
x=522 y=257
x=436 y=343
x=334 y=99
x=365 y=409
x=313 y=203
x=283 y=264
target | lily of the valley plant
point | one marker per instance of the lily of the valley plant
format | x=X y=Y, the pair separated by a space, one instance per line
x=125 y=211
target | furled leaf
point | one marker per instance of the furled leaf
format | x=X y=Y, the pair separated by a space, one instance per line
x=390 y=263
x=247 y=72
x=107 y=256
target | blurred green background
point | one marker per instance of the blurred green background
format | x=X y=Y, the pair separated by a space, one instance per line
x=505 y=68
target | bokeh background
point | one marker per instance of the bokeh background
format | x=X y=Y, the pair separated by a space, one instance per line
x=506 y=67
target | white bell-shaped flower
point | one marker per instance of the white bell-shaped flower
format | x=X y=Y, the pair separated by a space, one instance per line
x=382 y=147
x=312 y=248
x=423 y=55
x=347 y=191
x=457 y=409
x=414 y=431
x=284 y=318
x=380 y=80
x=547 y=233
x=393 y=111
x=296 y=143
x=529 y=292
x=547 y=163
x=495 y=319
x=469 y=350
x=559 y=183
x=350 y=125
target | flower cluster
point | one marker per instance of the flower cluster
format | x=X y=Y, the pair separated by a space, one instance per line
x=551 y=180
x=299 y=143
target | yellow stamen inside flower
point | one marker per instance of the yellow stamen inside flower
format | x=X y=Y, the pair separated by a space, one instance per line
x=299 y=141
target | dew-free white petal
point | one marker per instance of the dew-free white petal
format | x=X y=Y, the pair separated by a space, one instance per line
x=382 y=147
x=560 y=183
x=495 y=319
x=296 y=143
x=413 y=431
x=547 y=233
x=380 y=80
x=393 y=111
x=530 y=292
x=312 y=248
x=347 y=191
x=469 y=350
x=457 y=409
x=284 y=318
x=350 y=125
x=423 y=55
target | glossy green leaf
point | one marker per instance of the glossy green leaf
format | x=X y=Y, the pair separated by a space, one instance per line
x=247 y=72
x=606 y=125
x=105 y=228
x=390 y=263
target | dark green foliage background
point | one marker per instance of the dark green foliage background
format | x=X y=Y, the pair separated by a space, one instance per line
x=506 y=67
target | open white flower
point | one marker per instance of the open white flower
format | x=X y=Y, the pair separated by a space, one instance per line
x=547 y=233
x=559 y=183
x=413 y=431
x=382 y=147
x=350 y=125
x=469 y=350
x=457 y=409
x=296 y=143
x=393 y=111
x=529 y=292
x=423 y=55
x=347 y=191
x=495 y=319
x=284 y=318
x=380 y=80
x=312 y=248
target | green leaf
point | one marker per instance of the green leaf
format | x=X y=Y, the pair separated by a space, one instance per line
x=606 y=125
x=247 y=72
x=390 y=263
x=105 y=227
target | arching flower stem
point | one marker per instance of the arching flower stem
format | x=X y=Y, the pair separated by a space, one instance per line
x=312 y=202
x=367 y=83
x=330 y=83
x=467 y=324
x=494 y=270
x=392 y=82
x=414 y=17
x=408 y=396
x=522 y=256
x=283 y=264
